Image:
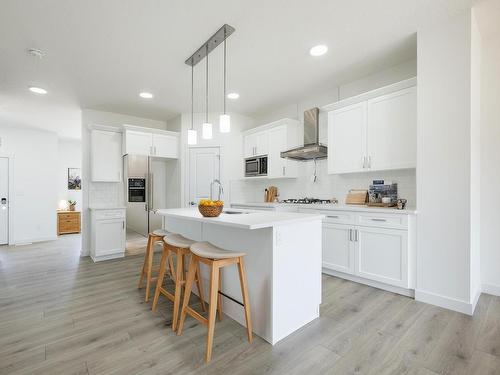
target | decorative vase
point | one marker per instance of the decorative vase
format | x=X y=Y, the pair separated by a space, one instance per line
x=72 y=207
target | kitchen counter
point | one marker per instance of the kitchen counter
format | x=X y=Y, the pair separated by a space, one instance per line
x=333 y=207
x=248 y=219
x=283 y=263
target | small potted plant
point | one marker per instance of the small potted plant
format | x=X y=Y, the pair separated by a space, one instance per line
x=72 y=205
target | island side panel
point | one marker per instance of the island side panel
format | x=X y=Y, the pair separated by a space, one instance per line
x=296 y=276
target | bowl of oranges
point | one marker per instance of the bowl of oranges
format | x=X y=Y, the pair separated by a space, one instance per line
x=210 y=208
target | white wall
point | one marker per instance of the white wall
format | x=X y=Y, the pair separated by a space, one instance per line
x=69 y=156
x=490 y=162
x=231 y=149
x=330 y=186
x=105 y=194
x=444 y=163
x=33 y=200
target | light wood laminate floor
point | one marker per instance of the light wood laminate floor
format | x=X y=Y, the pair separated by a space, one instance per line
x=62 y=314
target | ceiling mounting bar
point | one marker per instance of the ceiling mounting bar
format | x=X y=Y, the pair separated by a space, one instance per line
x=220 y=36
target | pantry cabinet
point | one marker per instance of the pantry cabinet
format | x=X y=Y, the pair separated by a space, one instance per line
x=163 y=144
x=106 y=156
x=373 y=132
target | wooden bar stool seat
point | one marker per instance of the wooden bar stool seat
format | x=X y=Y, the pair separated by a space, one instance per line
x=147 y=268
x=215 y=258
x=178 y=245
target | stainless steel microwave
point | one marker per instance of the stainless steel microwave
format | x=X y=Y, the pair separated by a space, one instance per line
x=256 y=166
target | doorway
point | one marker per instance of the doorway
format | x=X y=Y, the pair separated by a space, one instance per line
x=204 y=167
x=4 y=201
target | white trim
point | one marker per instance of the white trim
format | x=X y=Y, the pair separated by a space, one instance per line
x=10 y=222
x=449 y=303
x=115 y=129
x=476 y=299
x=271 y=125
x=150 y=130
x=492 y=289
x=30 y=241
x=375 y=284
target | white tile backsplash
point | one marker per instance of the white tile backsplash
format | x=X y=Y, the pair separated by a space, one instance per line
x=326 y=186
x=106 y=194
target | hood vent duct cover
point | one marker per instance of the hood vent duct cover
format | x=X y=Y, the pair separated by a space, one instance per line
x=312 y=149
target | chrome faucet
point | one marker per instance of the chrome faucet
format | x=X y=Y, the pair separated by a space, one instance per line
x=221 y=189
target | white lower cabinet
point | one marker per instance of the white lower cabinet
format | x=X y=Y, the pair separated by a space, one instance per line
x=107 y=234
x=338 y=249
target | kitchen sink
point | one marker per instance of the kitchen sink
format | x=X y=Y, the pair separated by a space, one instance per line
x=234 y=212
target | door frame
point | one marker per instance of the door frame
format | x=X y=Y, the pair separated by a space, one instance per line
x=187 y=185
x=10 y=230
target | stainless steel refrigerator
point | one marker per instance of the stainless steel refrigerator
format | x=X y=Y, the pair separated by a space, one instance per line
x=146 y=191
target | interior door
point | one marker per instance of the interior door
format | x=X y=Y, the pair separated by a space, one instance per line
x=391 y=130
x=204 y=167
x=4 y=201
x=347 y=139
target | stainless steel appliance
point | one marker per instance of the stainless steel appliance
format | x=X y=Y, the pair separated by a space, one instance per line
x=146 y=191
x=256 y=166
x=312 y=149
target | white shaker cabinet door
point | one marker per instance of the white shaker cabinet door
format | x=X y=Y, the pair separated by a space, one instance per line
x=276 y=166
x=382 y=255
x=106 y=156
x=250 y=145
x=109 y=237
x=392 y=130
x=138 y=143
x=165 y=146
x=262 y=143
x=347 y=139
x=338 y=249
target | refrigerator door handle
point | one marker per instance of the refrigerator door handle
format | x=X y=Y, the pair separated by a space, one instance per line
x=151 y=207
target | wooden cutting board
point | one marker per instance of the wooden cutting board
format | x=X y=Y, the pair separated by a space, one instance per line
x=356 y=196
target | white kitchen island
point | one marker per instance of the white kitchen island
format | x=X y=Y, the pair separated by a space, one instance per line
x=283 y=264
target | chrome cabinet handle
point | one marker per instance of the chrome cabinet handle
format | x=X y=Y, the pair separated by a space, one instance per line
x=369 y=161
x=350 y=235
x=332 y=216
x=357 y=234
x=364 y=162
x=382 y=220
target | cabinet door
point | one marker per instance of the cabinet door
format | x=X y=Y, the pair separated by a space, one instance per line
x=165 y=146
x=106 y=156
x=382 y=255
x=347 y=139
x=262 y=143
x=338 y=249
x=109 y=237
x=250 y=145
x=276 y=166
x=138 y=143
x=392 y=130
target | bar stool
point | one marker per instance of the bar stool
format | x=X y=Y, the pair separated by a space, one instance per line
x=147 y=268
x=215 y=258
x=175 y=244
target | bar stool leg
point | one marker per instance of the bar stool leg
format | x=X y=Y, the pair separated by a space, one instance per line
x=146 y=257
x=214 y=281
x=246 y=300
x=199 y=285
x=219 y=297
x=149 y=269
x=178 y=288
x=193 y=265
x=161 y=276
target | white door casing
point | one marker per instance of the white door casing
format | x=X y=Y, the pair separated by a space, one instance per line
x=4 y=201
x=204 y=167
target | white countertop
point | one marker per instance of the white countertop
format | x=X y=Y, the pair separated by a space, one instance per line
x=252 y=220
x=332 y=207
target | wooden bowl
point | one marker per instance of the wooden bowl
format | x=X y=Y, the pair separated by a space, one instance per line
x=210 y=211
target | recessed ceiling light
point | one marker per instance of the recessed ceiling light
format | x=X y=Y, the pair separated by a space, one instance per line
x=318 y=50
x=38 y=90
x=146 y=95
x=233 y=95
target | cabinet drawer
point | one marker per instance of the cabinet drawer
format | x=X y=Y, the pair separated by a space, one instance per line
x=109 y=214
x=332 y=216
x=383 y=220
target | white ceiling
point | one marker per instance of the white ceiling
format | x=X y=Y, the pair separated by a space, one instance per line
x=101 y=54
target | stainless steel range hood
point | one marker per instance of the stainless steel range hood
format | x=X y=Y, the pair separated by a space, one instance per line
x=312 y=149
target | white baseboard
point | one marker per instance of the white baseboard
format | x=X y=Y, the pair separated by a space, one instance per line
x=492 y=289
x=446 y=302
x=30 y=241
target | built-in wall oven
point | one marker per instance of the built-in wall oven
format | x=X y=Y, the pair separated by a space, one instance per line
x=256 y=166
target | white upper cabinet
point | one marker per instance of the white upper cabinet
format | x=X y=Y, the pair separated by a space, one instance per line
x=378 y=132
x=392 y=130
x=138 y=143
x=165 y=146
x=144 y=142
x=250 y=145
x=347 y=139
x=106 y=156
x=256 y=144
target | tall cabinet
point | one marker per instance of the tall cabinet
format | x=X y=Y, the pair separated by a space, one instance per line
x=374 y=131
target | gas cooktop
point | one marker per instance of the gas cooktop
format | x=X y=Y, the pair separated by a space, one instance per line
x=307 y=201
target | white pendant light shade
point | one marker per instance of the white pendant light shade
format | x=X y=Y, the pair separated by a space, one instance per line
x=206 y=131
x=192 y=137
x=225 y=123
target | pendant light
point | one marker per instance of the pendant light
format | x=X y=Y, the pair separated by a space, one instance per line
x=225 y=119
x=206 y=130
x=192 y=134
